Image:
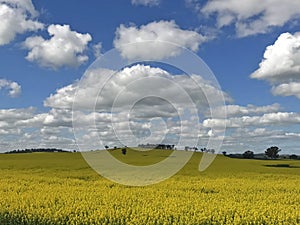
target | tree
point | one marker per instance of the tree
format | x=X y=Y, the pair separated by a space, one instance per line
x=293 y=156
x=203 y=150
x=106 y=147
x=248 y=154
x=272 y=152
x=224 y=153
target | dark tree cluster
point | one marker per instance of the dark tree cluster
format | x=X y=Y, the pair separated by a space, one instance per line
x=248 y=154
x=208 y=150
x=37 y=150
x=272 y=152
x=157 y=146
x=164 y=146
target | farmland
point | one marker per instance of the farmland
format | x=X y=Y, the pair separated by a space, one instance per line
x=60 y=188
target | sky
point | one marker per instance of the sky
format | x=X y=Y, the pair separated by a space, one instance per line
x=54 y=95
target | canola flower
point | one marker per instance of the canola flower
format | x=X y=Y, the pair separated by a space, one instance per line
x=74 y=195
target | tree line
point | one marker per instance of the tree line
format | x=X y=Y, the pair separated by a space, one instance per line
x=270 y=153
x=37 y=150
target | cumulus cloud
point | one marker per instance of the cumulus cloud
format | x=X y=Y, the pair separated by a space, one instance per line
x=26 y=5
x=258 y=139
x=64 y=48
x=289 y=89
x=238 y=110
x=13 y=115
x=281 y=61
x=54 y=118
x=104 y=86
x=8 y=119
x=252 y=17
x=140 y=100
x=150 y=119
x=279 y=118
x=281 y=65
x=31 y=129
x=13 y=87
x=251 y=109
x=146 y=2
x=17 y=17
x=97 y=49
x=157 y=33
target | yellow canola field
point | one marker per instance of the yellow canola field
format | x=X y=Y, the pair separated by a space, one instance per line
x=60 y=188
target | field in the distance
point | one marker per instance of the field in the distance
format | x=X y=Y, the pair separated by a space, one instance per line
x=60 y=188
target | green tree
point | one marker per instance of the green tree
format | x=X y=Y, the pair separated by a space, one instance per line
x=272 y=152
x=293 y=156
x=248 y=154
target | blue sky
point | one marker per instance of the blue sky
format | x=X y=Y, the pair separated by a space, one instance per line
x=39 y=72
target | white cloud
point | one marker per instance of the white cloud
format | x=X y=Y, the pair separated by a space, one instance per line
x=13 y=115
x=281 y=60
x=274 y=119
x=158 y=33
x=25 y=5
x=58 y=118
x=140 y=100
x=64 y=48
x=17 y=17
x=146 y=2
x=289 y=89
x=257 y=132
x=36 y=120
x=281 y=65
x=258 y=139
x=237 y=110
x=127 y=85
x=8 y=119
x=292 y=134
x=64 y=97
x=252 y=17
x=97 y=49
x=13 y=87
x=30 y=129
x=54 y=118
